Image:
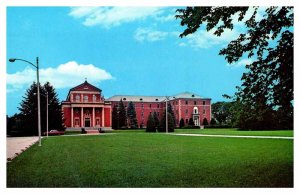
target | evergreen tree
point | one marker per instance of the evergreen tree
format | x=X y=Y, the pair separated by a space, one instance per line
x=170 y=110
x=115 y=118
x=122 y=115
x=191 y=122
x=15 y=126
x=156 y=121
x=205 y=122
x=171 y=125
x=29 y=111
x=131 y=113
x=150 y=124
x=55 y=115
x=181 y=123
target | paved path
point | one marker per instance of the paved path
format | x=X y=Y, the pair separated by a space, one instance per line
x=234 y=136
x=16 y=145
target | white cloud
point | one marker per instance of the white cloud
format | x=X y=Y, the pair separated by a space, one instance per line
x=204 y=39
x=147 y=34
x=108 y=17
x=64 y=76
x=241 y=63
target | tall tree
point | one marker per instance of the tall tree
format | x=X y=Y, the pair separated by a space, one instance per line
x=115 y=117
x=268 y=41
x=170 y=110
x=150 y=124
x=156 y=120
x=221 y=112
x=55 y=115
x=29 y=111
x=131 y=114
x=122 y=115
x=171 y=125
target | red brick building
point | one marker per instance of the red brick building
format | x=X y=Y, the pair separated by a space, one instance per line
x=86 y=107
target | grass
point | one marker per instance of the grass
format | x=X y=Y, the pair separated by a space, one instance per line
x=284 y=133
x=153 y=160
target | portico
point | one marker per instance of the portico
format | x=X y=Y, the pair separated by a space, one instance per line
x=85 y=107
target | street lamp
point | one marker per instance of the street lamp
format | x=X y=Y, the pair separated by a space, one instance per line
x=38 y=92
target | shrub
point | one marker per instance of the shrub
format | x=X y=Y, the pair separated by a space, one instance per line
x=191 y=122
x=205 y=122
x=181 y=123
x=150 y=124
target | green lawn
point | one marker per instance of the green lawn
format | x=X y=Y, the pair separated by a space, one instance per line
x=284 y=133
x=136 y=159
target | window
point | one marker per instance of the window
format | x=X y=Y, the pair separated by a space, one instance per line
x=176 y=102
x=186 y=102
x=195 y=110
x=77 y=98
x=203 y=111
x=195 y=102
x=203 y=102
x=186 y=111
x=150 y=105
x=86 y=98
x=142 y=105
x=158 y=114
x=157 y=105
x=94 y=98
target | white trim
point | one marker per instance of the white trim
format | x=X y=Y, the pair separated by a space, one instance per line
x=103 y=117
x=72 y=115
x=84 y=92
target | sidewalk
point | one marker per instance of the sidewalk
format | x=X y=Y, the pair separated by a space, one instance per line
x=234 y=136
x=16 y=145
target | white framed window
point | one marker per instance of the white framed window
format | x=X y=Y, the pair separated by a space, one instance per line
x=85 y=98
x=195 y=110
x=77 y=98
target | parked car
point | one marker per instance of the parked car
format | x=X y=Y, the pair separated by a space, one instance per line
x=54 y=132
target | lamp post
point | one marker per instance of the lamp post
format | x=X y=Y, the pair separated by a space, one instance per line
x=38 y=92
x=46 y=109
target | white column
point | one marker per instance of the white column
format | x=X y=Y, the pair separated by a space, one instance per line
x=179 y=109
x=82 y=125
x=102 y=116
x=93 y=116
x=72 y=117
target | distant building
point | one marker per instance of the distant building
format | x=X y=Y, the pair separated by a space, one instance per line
x=86 y=107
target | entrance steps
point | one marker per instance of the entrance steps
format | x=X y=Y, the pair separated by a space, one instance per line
x=91 y=131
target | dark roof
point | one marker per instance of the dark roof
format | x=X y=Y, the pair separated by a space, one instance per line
x=85 y=86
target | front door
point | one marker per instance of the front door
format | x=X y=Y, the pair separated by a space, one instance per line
x=87 y=122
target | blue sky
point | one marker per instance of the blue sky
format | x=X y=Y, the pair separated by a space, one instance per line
x=122 y=50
